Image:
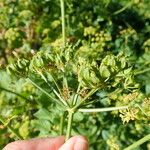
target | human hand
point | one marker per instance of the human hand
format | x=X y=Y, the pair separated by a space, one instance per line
x=58 y=143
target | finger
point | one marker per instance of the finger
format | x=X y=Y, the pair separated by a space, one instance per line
x=75 y=143
x=36 y=144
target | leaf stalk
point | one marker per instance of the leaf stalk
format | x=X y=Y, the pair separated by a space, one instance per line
x=91 y=110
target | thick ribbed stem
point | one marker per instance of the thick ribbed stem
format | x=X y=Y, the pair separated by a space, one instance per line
x=69 y=126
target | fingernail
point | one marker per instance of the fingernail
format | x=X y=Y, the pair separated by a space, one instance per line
x=81 y=144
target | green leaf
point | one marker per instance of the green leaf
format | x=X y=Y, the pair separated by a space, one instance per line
x=78 y=117
x=3 y=78
x=44 y=126
x=43 y=114
x=104 y=71
x=147 y=88
x=24 y=129
x=105 y=134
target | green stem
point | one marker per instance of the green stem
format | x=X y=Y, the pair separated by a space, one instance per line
x=60 y=98
x=65 y=85
x=137 y=105
x=45 y=92
x=76 y=95
x=142 y=71
x=69 y=126
x=62 y=123
x=63 y=21
x=56 y=93
x=102 y=109
x=122 y=9
x=4 y=89
x=11 y=129
x=139 y=142
x=54 y=80
x=85 y=98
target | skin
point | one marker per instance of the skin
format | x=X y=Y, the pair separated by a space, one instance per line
x=57 y=143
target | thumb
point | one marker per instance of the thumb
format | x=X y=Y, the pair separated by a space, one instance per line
x=75 y=143
x=36 y=144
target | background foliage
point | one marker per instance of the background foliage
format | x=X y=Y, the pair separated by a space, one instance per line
x=108 y=46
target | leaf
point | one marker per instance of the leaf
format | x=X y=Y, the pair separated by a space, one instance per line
x=109 y=60
x=3 y=78
x=24 y=129
x=105 y=134
x=104 y=71
x=128 y=71
x=44 y=126
x=43 y=114
x=147 y=88
x=78 y=117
